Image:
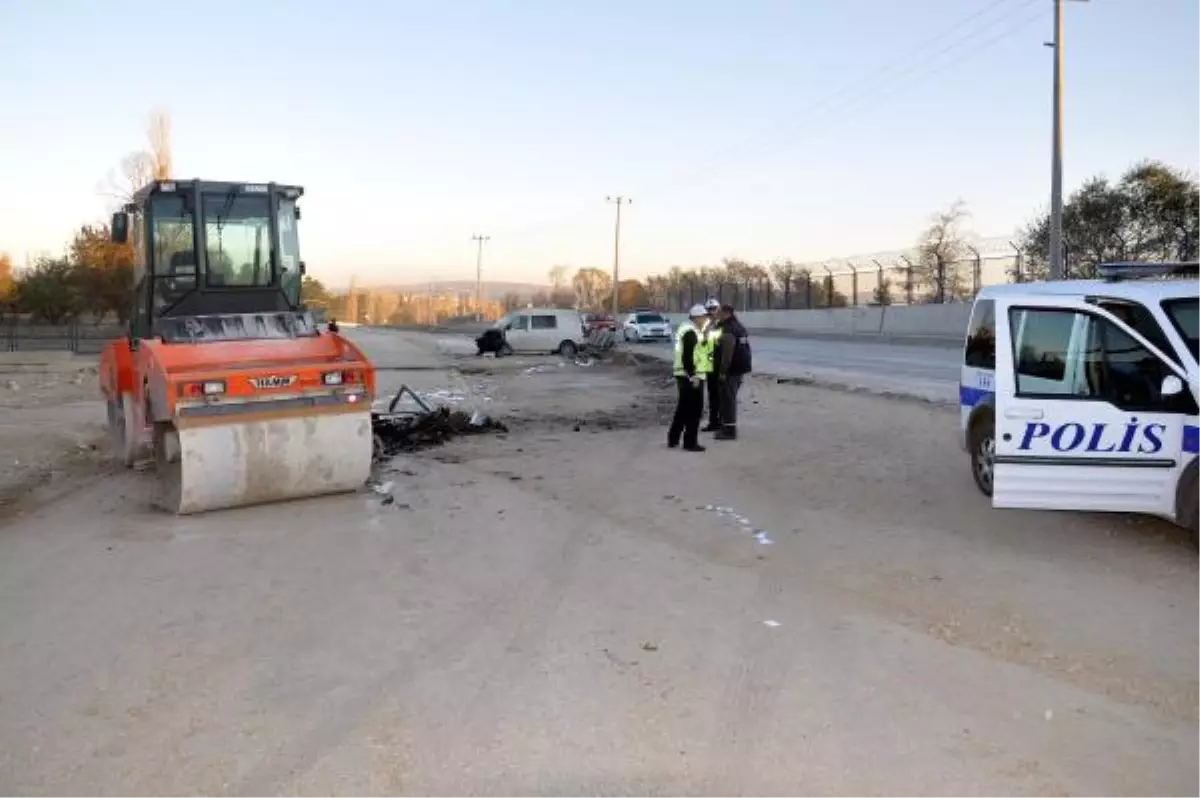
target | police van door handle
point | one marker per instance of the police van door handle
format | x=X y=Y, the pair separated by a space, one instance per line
x=1031 y=413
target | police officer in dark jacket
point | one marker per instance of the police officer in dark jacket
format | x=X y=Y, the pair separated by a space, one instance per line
x=734 y=363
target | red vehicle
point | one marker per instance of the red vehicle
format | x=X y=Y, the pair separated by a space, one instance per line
x=598 y=321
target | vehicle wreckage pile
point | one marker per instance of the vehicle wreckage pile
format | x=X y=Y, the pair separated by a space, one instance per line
x=406 y=430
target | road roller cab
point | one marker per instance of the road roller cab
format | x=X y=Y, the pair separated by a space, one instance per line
x=224 y=377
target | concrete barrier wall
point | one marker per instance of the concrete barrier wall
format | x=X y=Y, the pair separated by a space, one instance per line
x=936 y=323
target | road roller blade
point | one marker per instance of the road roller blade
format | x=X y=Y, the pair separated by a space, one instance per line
x=215 y=466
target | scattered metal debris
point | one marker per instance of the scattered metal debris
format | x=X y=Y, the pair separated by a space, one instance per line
x=760 y=535
x=399 y=429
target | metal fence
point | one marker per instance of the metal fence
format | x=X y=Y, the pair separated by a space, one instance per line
x=21 y=335
x=854 y=284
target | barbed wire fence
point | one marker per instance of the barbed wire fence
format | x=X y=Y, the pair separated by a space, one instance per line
x=864 y=282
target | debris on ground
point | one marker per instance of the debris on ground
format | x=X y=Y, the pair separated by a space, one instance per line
x=542 y=368
x=744 y=524
x=772 y=624
x=403 y=430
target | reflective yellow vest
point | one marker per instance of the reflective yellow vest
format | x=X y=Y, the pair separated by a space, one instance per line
x=683 y=329
x=711 y=338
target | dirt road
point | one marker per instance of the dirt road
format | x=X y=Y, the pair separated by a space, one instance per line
x=556 y=611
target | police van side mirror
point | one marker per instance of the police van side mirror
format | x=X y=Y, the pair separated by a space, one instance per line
x=1171 y=386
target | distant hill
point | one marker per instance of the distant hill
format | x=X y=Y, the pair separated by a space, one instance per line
x=493 y=290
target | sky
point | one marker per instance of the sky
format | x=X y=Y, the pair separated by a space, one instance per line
x=806 y=129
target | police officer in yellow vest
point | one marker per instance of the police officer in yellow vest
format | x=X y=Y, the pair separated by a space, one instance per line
x=693 y=360
x=710 y=336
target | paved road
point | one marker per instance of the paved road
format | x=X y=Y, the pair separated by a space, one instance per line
x=927 y=371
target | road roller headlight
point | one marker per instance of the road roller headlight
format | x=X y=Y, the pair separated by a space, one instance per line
x=349 y=377
x=206 y=388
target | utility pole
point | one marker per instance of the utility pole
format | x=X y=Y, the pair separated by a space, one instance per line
x=1056 y=201
x=479 y=273
x=616 y=289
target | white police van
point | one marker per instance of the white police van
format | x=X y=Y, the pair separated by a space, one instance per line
x=1082 y=394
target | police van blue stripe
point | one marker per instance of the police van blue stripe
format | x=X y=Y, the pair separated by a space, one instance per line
x=1191 y=439
x=969 y=397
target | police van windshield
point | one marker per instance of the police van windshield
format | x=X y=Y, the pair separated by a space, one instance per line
x=1185 y=315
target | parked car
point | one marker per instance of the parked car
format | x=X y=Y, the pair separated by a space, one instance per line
x=646 y=326
x=599 y=321
x=535 y=330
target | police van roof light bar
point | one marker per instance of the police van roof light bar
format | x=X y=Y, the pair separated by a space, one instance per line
x=1114 y=272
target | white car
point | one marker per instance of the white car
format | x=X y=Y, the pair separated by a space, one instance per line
x=1082 y=394
x=542 y=331
x=646 y=326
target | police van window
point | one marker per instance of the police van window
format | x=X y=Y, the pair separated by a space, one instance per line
x=1185 y=317
x=1068 y=354
x=1041 y=343
x=1139 y=319
x=519 y=323
x=1124 y=372
x=544 y=323
x=981 y=336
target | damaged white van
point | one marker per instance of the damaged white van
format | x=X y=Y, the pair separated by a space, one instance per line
x=1082 y=394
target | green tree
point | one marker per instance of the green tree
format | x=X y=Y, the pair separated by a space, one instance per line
x=1151 y=214
x=632 y=294
x=48 y=291
x=882 y=293
x=8 y=289
x=103 y=273
x=314 y=294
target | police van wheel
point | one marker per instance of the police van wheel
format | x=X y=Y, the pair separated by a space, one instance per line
x=983 y=454
x=1188 y=512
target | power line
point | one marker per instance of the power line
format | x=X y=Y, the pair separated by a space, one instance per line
x=832 y=97
x=937 y=69
x=616 y=290
x=479 y=270
x=843 y=100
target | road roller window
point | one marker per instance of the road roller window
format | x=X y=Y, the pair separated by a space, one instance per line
x=174 y=250
x=289 y=251
x=237 y=229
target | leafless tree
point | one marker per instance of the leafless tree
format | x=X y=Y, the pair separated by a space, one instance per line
x=141 y=166
x=592 y=287
x=940 y=246
x=786 y=273
x=558 y=276
x=159 y=134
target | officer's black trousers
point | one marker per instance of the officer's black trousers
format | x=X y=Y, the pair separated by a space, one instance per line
x=688 y=410
x=729 y=399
